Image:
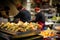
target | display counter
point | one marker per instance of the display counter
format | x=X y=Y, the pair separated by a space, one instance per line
x=18 y=30
x=26 y=36
x=26 y=31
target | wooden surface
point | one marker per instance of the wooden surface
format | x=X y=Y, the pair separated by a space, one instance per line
x=24 y=34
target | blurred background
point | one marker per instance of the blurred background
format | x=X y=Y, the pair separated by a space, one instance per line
x=30 y=4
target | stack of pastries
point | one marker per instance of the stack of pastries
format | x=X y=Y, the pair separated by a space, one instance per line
x=19 y=27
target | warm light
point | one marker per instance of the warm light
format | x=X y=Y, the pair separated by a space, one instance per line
x=48 y=28
x=28 y=0
x=47 y=33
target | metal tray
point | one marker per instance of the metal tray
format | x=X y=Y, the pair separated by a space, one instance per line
x=21 y=34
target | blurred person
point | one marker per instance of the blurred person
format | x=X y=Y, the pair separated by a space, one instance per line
x=23 y=15
x=3 y=16
x=40 y=18
x=7 y=9
x=50 y=13
x=5 y=12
